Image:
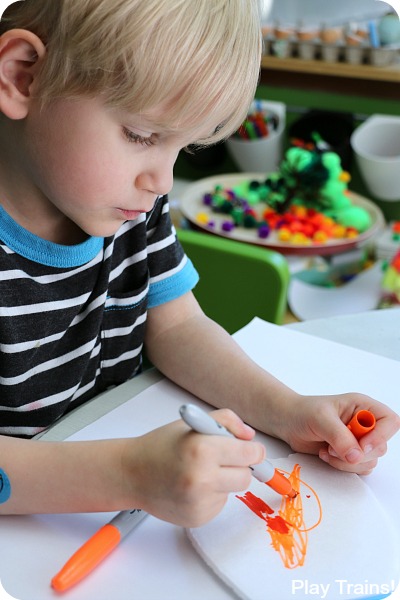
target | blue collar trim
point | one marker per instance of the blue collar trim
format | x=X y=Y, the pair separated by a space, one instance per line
x=34 y=248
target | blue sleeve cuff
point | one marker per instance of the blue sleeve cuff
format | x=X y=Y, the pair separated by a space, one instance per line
x=173 y=286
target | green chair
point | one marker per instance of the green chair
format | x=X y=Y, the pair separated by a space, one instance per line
x=238 y=281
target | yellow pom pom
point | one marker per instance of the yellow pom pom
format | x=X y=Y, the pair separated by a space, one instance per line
x=202 y=218
x=338 y=231
x=345 y=177
x=320 y=236
x=300 y=239
x=284 y=234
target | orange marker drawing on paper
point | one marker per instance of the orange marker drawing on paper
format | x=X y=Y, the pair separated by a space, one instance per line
x=361 y=423
x=288 y=531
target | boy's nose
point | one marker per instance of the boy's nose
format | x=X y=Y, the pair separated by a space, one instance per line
x=158 y=177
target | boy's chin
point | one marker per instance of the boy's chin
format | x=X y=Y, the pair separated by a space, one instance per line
x=103 y=231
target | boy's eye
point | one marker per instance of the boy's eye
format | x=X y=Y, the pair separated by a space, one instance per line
x=131 y=136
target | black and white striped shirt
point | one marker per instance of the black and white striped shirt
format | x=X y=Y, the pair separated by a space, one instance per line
x=72 y=318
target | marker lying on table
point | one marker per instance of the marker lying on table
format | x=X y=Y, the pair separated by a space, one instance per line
x=96 y=549
x=265 y=472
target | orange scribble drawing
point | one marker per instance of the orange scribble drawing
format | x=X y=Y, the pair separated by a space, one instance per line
x=288 y=531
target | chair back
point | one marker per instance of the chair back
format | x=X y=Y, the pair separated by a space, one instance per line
x=238 y=281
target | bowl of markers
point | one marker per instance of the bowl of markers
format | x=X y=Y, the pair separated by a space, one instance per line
x=258 y=143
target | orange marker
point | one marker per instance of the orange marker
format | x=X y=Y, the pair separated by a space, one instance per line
x=96 y=549
x=265 y=472
x=361 y=423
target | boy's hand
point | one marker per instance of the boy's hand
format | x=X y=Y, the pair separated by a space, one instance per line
x=185 y=477
x=318 y=425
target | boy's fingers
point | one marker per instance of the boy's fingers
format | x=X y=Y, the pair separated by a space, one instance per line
x=362 y=468
x=387 y=426
x=233 y=423
x=341 y=443
x=239 y=453
x=235 y=480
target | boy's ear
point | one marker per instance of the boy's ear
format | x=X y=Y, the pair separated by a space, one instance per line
x=20 y=55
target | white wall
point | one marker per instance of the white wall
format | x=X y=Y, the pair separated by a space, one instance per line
x=328 y=11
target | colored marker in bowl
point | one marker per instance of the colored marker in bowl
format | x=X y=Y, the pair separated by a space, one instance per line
x=265 y=472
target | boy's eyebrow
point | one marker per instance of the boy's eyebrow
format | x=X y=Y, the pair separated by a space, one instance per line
x=164 y=127
x=152 y=125
x=156 y=121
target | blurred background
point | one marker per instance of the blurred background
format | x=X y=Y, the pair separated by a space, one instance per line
x=315 y=11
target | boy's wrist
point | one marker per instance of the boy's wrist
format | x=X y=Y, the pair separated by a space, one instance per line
x=282 y=414
x=275 y=408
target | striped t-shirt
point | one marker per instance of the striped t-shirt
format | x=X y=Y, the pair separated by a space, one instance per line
x=72 y=318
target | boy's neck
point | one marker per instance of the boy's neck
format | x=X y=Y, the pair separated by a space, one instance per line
x=59 y=230
x=24 y=203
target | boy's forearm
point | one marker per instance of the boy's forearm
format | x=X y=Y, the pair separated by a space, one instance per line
x=226 y=377
x=56 y=477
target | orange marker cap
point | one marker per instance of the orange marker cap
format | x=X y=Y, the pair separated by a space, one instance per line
x=361 y=423
x=281 y=484
x=87 y=557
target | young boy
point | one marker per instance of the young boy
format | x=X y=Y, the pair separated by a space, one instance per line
x=97 y=98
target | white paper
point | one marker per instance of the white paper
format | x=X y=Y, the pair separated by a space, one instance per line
x=4 y=595
x=157 y=561
x=313 y=365
x=351 y=550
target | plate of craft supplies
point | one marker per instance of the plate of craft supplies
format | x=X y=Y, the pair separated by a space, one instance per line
x=303 y=208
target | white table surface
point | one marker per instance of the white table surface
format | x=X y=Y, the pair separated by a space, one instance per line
x=376 y=331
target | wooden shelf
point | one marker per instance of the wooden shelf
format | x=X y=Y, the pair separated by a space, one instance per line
x=390 y=73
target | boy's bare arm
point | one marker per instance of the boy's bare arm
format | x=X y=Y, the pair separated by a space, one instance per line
x=181 y=476
x=61 y=476
x=201 y=357
x=171 y=472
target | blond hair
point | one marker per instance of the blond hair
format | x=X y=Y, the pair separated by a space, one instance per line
x=200 y=58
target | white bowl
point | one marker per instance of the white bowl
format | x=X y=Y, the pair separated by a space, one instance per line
x=262 y=154
x=376 y=147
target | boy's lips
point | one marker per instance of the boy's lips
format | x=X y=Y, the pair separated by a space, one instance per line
x=130 y=215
